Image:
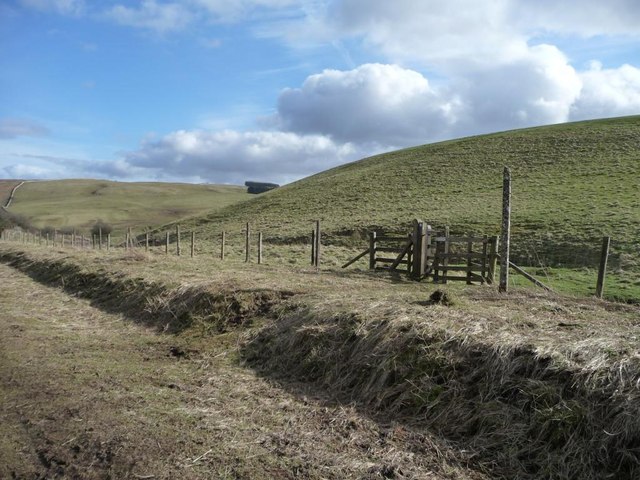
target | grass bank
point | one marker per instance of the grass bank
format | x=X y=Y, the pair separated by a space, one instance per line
x=530 y=385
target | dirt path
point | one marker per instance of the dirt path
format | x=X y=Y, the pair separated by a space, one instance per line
x=85 y=394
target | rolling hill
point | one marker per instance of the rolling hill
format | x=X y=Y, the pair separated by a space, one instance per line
x=572 y=184
x=80 y=203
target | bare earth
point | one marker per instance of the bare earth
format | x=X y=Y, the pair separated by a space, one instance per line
x=86 y=394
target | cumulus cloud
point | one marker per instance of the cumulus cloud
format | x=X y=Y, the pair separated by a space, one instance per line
x=608 y=92
x=231 y=156
x=151 y=15
x=538 y=88
x=374 y=103
x=19 y=127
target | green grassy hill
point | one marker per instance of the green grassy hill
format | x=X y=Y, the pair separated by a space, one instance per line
x=79 y=203
x=572 y=184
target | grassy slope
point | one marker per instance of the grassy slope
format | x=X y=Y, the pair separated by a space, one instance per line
x=79 y=203
x=573 y=183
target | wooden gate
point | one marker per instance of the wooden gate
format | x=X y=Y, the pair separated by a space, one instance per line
x=436 y=255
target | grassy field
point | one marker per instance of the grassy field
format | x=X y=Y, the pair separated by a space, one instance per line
x=572 y=184
x=284 y=372
x=80 y=203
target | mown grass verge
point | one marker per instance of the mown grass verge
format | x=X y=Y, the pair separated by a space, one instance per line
x=533 y=386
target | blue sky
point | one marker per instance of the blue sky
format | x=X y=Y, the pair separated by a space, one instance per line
x=226 y=91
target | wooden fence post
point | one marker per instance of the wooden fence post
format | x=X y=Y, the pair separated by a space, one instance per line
x=178 y=240
x=247 y=245
x=259 y=248
x=447 y=247
x=146 y=241
x=100 y=237
x=469 y=263
x=224 y=238
x=318 y=243
x=130 y=235
x=166 y=244
x=419 y=261
x=506 y=231
x=602 y=270
x=313 y=247
x=372 y=250
x=193 y=243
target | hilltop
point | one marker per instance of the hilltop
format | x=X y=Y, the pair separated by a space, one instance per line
x=572 y=184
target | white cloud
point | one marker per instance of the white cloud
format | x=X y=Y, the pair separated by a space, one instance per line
x=233 y=157
x=536 y=89
x=151 y=15
x=19 y=127
x=579 y=17
x=64 y=7
x=373 y=103
x=26 y=171
x=608 y=92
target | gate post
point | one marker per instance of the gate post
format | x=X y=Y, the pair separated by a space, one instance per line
x=418 y=249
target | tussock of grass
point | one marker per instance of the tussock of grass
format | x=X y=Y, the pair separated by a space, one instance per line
x=523 y=413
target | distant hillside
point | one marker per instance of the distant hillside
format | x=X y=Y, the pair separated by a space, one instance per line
x=572 y=184
x=79 y=203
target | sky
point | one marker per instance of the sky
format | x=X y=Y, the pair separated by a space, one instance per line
x=224 y=91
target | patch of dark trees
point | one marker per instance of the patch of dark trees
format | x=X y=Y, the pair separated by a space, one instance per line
x=260 y=187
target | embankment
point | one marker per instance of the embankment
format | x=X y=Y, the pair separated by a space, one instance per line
x=521 y=413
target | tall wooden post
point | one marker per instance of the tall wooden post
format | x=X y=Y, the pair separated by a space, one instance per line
x=506 y=231
x=247 y=245
x=445 y=260
x=223 y=240
x=100 y=237
x=146 y=241
x=418 y=268
x=178 y=240
x=130 y=236
x=259 y=248
x=602 y=270
x=193 y=244
x=166 y=244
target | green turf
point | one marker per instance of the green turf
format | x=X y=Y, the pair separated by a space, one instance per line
x=80 y=203
x=572 y=184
